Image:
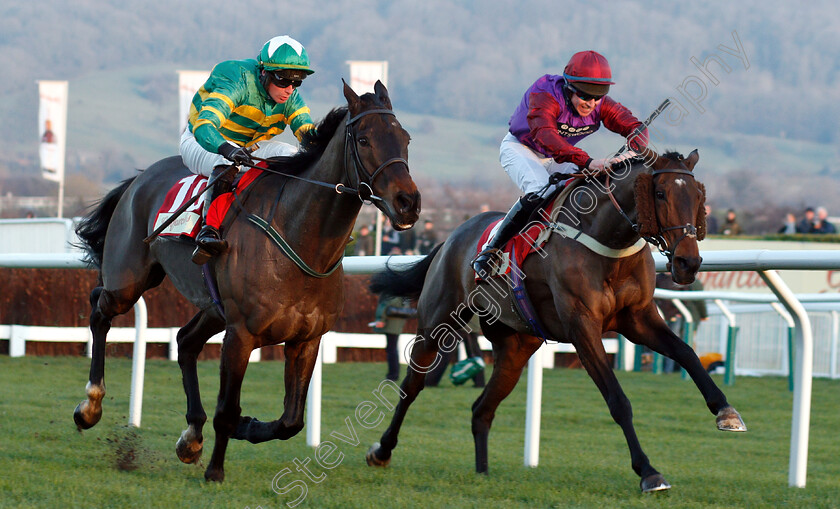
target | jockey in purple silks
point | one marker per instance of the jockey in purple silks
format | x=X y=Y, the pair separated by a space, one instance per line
x=555 y=113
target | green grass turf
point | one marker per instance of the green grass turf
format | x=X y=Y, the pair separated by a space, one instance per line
x=584 y=461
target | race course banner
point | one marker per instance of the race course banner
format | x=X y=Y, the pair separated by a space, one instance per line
x=364 y=73
x=188 y=84
x=52 y=128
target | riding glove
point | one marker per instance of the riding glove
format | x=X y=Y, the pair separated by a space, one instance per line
x=236 y=154
x=601 y=164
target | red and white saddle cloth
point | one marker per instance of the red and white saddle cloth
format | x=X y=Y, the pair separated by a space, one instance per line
x=189 y=222
x=522 y=245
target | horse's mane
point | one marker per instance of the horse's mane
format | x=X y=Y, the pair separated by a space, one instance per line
x=673 y=155
x=646 y=213
x=313 y=143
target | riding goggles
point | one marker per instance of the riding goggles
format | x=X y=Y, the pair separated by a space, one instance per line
x=282 y=82
x=584 y=96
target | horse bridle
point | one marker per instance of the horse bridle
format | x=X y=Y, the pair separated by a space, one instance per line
x=689 y=230
x=364 y=188
x=365 y=184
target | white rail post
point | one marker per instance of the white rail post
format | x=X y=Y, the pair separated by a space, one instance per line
x=802 y=378
x=17 y=340
x=791 y=338
x=688 y=330
x=835 y=339
x=313 y=401
x=138 y=369
x=729 y=375
x=533 y=406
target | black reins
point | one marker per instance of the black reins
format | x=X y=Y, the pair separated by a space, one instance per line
x=364 y=186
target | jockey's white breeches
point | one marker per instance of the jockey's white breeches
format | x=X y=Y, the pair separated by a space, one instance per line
x=202 y=162
x=529 y=169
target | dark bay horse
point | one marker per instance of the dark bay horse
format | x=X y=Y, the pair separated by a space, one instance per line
x=595 y=275
x=267 y=299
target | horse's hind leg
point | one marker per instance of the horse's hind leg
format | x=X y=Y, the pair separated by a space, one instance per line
x=134 y=276
x=191 y=340
x=105 y=306
x=424 y=358
x=511 y=353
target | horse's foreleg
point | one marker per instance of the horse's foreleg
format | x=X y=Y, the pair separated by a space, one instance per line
x=650 y=330
x=104 y=306
x=511 y=356
x=424 y=358
x=300 y=362
x=590 y=350
x=191 y=340
x=234 y=362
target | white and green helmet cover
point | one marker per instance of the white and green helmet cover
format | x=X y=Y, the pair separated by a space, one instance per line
x=283 y=52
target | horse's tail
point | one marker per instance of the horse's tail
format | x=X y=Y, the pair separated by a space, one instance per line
x=403 y=282
x=93 y=227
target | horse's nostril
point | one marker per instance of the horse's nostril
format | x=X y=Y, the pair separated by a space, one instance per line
x=406 y=202
x=690 y=264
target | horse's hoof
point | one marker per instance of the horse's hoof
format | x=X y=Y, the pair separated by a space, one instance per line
x=728 y=419
x=214 y=475
x=88 y=421
x=653 y=483
x=372 y=460
x=188 y=448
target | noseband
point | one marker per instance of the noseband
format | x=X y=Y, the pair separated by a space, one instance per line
x=689 y=230
x=364 y=188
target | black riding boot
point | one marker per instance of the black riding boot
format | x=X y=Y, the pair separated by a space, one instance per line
x=209 y=241
x=513 y=223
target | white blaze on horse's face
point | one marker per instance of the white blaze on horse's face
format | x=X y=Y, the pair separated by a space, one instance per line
x=679 y=182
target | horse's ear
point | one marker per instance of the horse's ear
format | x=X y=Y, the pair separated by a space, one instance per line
x=353 y=101
x=692 y=159
x=700 y=221
x=645 y=211
x=382 y=94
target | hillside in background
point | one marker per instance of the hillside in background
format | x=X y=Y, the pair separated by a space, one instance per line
x=457 y=69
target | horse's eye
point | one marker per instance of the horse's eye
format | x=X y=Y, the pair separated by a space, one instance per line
x=363 y=141
x=660 y=195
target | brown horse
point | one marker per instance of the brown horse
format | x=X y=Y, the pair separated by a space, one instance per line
x=596 y=275
x=267 y=299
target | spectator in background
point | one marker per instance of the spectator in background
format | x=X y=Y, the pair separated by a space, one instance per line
x=390 y=238
x=365 y=242
x=806 y=225
x=711 y=222
x=389 y=319
x=731 y=226
x=789 y=226
x=408 y=239
x=427 y=239
x=822 y=225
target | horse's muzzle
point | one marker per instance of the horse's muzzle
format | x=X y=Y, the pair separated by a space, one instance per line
x=684 y=269
x=406 y=208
